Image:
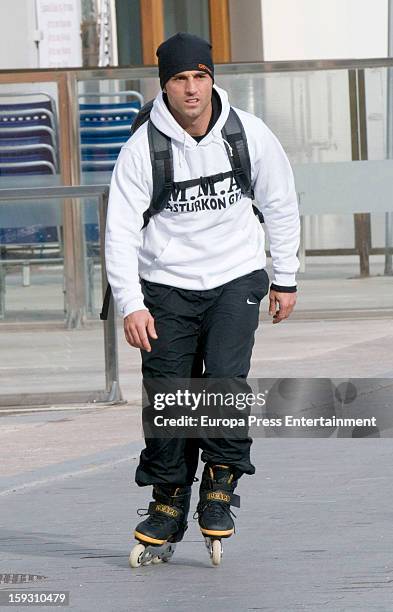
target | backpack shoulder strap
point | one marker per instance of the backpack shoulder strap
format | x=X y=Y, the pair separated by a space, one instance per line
x=142 y=116
x=162 y=170
x=106 y=303
x=233 y=132
x=161 y=161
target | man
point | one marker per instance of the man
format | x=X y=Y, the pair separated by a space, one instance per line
x=190 y=284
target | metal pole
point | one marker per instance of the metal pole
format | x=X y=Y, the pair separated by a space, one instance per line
x=357 y=102
x=37 y=33
x=389 y=141
x=74 y=240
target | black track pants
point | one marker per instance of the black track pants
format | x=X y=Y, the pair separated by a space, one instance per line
x=212 y=329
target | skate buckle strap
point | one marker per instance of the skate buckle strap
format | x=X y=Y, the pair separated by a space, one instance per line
x=221 y=495
x=218 y=496
x=165 y=509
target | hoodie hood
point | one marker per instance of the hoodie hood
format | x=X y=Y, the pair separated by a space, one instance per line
x=166 y=123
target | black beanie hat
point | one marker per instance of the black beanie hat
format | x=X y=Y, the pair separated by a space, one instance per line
x=184 y=52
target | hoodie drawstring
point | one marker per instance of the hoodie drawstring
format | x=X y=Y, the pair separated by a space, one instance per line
x=221 y=139
x=218 y=138
x=184 y=150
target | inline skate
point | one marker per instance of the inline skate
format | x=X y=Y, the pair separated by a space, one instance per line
x=165 y=526
x=213 y=511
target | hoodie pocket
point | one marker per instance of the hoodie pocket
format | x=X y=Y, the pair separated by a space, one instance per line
x=153 y=248
x=161 y=256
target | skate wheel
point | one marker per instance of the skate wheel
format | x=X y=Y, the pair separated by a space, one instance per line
x=216 y=552
x=156 y=560
x=136 y=555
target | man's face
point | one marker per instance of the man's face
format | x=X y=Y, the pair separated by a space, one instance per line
x=189 y=94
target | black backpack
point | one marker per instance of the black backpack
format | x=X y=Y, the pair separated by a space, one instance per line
x=162 y=167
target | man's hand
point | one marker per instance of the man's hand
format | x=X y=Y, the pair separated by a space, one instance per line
x=138 y=327
x=285 y=302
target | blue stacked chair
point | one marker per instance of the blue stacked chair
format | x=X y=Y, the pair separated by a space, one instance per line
x=28 y=135
x=28 y=146
x=105 y=127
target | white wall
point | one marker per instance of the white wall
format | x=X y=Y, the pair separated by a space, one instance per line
x=324 y=29
x=17 y=24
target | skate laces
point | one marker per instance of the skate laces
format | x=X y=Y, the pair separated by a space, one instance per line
x=142 y=511
x=156 y=518
x=216 y=509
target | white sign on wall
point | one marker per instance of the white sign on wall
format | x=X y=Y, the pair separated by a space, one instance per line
x=59 y=24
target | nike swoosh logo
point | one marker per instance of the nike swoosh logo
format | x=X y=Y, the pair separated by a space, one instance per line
x=248 y=302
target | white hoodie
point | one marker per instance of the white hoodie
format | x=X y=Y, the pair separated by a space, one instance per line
x=200 y=241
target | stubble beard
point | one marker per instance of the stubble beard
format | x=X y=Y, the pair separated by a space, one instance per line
x=193 y=114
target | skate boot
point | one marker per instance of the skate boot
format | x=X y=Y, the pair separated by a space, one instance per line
x=165 y=525
x=214 y=513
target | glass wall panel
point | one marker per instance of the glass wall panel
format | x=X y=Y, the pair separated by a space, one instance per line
x=379 y=117
x=32 y=259
x=107 y=109
x=377 y=112
x=32 y=296
x=308 y=111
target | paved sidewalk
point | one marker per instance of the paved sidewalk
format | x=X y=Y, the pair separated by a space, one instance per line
x=314 y=533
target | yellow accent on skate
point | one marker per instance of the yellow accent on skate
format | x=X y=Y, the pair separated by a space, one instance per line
x=167 y=509
x=218 y=496
x=144 y=538
x=218 y=534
